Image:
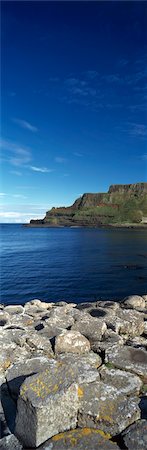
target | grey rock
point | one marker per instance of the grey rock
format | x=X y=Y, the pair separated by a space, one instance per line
x=71 y=341
x=137 y=342
x=126 y=382
x=103 y=407
x=128 y=358
x=109 y=339
x=128 y=322
x=40 y=343
x=10 y=443
x=91 y=359
x=80 y=439
x=134 y=302
x=91 y=327
x=48 y=404
x=14 y=309
x=16 y=375
x=135 y=437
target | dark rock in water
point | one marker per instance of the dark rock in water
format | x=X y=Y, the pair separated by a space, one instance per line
x=135 y=436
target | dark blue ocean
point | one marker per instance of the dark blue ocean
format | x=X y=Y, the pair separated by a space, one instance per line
x=71 y=264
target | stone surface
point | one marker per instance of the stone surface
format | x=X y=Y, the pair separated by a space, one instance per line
x=80 y=439
x=135 y=437
x=40 y=343
x=134 y=301
x=145 y=328
x=108 y=340
x=128 y=322
x=103 y=407
x=10 y=443
x=48 y=404
x=16 y=375
x=128 y=358
x=71 y=341
x=137 y=342
x=89 y=359
x=91 y=327
x=126 y=382
x=14 y=309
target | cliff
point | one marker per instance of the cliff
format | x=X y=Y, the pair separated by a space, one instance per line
x=122 y=205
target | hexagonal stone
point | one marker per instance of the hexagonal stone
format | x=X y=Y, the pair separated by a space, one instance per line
x=125 y=382
x=80 y=439
x=16 y=375
x=89 y=359
x=128 y=322
x=134 y=302
x=10 y=443
x=38 y=342
x=103 y=407
x=14 y=309
x=108 y=340
x=71 y=341
x=91 y=327
x=135 y=437
x=128 y=358
x=48 y=404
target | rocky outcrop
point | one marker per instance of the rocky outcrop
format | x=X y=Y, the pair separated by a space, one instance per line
x=122 y=205
x=74 y=375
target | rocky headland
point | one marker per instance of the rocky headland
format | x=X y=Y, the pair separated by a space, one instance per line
x=123 y=206
x=74 y=376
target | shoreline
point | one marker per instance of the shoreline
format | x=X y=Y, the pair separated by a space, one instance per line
x=88 y=360
x=110 y=226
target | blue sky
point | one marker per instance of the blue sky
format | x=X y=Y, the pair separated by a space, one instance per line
x=74 y=101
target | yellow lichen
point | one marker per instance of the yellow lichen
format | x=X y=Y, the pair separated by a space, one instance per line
x=80 y=392
x=103 y=434
x=7 y=364
x=58 y=437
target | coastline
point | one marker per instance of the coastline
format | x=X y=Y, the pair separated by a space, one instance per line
x=110 y=226
x=88 y=360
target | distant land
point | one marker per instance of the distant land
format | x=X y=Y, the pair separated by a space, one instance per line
x=125 y=205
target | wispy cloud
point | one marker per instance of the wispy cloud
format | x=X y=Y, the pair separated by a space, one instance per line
x=138 y=130
x=16 y=154
x=17 y=217
x=2 y=194
x=92 y=74
x=41 y=169
x=16 y=172
x=123 y=62
x=144 y=157
x=18 y=196
x=77 y=154
x=60 y=159
x=112 y=78
x=25 y=124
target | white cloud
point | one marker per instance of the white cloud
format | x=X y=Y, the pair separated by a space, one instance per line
x=2 y=194
x=18 y=196
x=41 y=169
x=25 y=124
x=138 y=129
x=78 y=154
x=16 y=172
x=17 y=217
x=17 y=154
